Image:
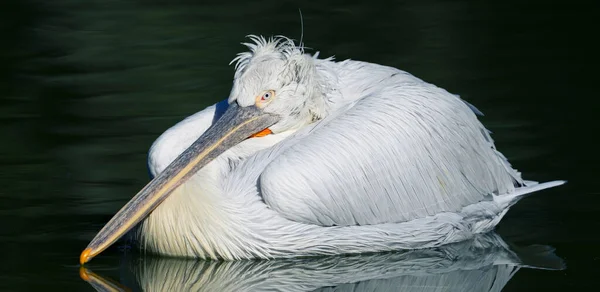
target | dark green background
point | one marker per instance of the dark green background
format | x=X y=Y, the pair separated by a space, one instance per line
x=86 y=86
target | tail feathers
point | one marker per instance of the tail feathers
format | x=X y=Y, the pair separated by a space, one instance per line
x=506 y=201
x=484 y=216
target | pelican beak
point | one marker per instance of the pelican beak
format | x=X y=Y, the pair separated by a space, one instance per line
x=234 y=126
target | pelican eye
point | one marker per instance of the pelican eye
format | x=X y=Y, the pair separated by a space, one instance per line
x=267 y=95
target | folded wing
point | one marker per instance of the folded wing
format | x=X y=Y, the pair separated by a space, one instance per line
x=396 y=155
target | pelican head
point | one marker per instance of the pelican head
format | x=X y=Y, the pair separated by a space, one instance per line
x=276 y=77
x=276 y=88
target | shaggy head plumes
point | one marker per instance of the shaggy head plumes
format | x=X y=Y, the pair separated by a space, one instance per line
x=278 y=70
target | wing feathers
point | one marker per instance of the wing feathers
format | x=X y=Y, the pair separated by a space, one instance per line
x=397 y=155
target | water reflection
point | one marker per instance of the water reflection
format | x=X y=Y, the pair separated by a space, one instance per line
x=485 y=263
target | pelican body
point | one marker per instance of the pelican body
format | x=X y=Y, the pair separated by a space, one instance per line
x=311 y=156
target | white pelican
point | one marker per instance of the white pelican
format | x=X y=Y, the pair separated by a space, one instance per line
x=309 y=157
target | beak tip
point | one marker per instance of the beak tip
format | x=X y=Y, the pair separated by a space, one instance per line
x=85 y=256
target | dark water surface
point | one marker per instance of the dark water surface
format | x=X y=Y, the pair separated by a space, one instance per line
x=86 y=87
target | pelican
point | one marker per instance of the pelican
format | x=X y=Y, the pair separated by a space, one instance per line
x=311 y=157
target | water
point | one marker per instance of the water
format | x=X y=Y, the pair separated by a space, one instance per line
x=86 y=87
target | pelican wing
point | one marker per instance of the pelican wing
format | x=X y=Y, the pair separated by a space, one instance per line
x=395 y=155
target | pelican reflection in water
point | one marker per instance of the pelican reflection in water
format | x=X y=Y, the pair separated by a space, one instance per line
x=484 y=263
x=311 y=156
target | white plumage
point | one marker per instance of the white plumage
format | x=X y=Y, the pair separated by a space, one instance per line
x=365 y=158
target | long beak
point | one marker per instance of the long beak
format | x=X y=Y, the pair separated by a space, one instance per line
x=236 y=124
